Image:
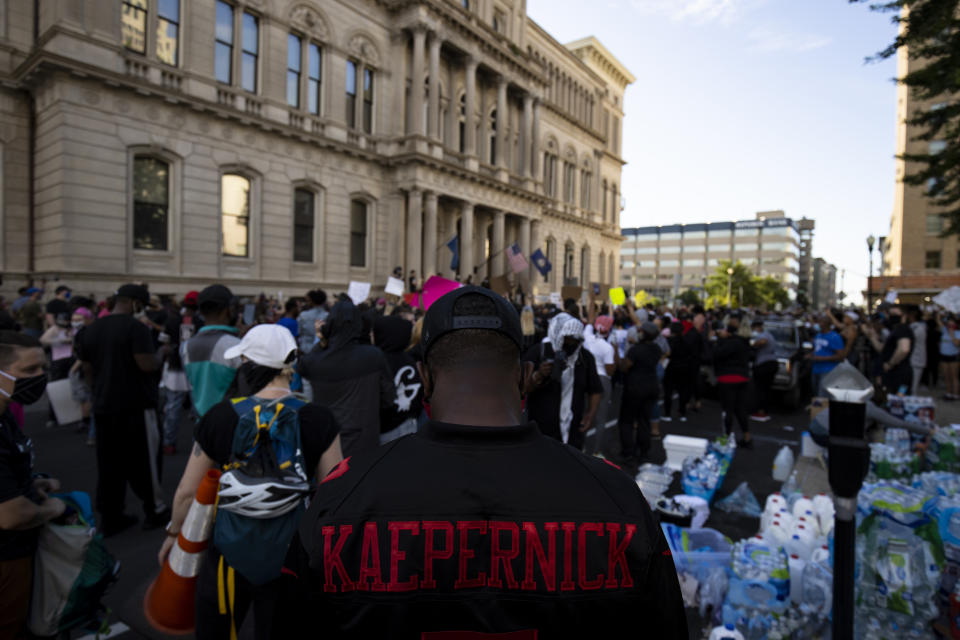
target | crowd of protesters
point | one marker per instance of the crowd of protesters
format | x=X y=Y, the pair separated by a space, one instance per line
x=138 y=363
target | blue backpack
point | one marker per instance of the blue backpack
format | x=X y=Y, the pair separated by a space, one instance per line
x=266 y=459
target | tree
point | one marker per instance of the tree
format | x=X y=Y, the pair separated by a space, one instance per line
x=689 y=298
x=771 y=292
x=742 y=280
x=930 y=29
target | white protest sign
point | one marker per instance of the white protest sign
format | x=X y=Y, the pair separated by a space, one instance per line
x=556 y=299
x=394 y=286
x=358 y=291
x=891 y=297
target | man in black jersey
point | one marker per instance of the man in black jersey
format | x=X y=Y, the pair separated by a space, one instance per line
x=478 y=523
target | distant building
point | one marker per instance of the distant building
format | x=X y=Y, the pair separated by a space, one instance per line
x=915 y=261
x=805 y=284
x=678 y=257
x=824 y=285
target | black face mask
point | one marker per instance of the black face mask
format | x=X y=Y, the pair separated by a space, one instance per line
x=570 y=349
x=252 y=377
x=26 y=390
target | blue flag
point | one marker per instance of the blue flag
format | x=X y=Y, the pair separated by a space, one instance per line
x=541 y=263
x=454 y=246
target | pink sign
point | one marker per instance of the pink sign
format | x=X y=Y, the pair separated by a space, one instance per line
x=435 y=288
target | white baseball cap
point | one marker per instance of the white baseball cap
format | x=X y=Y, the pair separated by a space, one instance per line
x=269 y=345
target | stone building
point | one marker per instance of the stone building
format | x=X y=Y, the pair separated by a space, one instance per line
x=286 y=144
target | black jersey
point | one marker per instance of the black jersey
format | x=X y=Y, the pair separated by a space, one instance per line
x=495 y=530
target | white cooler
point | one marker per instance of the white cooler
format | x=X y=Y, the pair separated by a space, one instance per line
x=679 y=448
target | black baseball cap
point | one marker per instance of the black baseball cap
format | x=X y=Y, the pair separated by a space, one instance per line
x=216 y=294
x=134 y=292
x=440 y=320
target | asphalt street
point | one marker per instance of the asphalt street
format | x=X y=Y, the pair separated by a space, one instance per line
x=62 y=452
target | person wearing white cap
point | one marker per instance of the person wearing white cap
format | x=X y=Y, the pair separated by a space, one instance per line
x=269 y=352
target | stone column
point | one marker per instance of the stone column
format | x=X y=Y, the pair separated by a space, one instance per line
x=414 y=232
x=525 y=237
x=466 y=241
x=502 y=152
x=526 y=144
x=433 y=112
x=416 y=81
x=535 y=143
x=430 y=236
x=470 y=97
x=496 y=251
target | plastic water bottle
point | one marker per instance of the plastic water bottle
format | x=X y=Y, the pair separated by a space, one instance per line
x=796 y=566
x=775 y=502
x=783 y=464
x=797 y=546
x=726 y=632
x=801 y=506
x=807 y=538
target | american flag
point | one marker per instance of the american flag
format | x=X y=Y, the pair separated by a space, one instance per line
x=518 y=263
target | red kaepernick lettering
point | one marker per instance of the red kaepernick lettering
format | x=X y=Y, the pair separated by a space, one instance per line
x=396 y=556
x=466 y=553
x=596 y=583
x=567 y=584
x=548 y=560
x=617 y=555
x=332 y=560
x=370 y=560
x=499 y=555
x=429 y=551
x=338 y=470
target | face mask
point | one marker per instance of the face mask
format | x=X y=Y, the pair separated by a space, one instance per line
x=254 y=377
x=77 y=325
x=570 y=349
x=26 y=390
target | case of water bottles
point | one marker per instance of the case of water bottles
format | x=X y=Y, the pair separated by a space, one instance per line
x=703 y=475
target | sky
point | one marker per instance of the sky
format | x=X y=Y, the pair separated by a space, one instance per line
x=743 y=106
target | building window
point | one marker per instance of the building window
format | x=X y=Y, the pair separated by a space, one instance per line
x=932 y=260
x=569 y=182
x=235 y=215
x=223 y=43
x=133 y=25
x=368 y=100
x=294 y=47
x=614 y=205
x=151 y=203
x=603 y=209
x=250 y=50
x=351 y=94
x=499 y=22
x=314 y=78
x=303 y=225
x=168 y=32
x=465 y=4
x=585 y=179
x=934 y=223
x=550 y=174
x=936 y=146
x=358 y=233
x=584 y=267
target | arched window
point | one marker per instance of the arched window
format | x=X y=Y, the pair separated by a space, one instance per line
x=568 y=262
x=358 y=232
x=426 y=105
x=614 y=204
x=304 y=224
x=492 y=135
x=603 y=209
x=151 y=203
x=585 y=267
x=235 y=214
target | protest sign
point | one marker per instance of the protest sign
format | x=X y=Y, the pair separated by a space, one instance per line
x=358 y=291
x=435 y=288
x=394 y=286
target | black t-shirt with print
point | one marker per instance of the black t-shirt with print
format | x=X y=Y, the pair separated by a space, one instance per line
x=318 y=429
x=16 y=479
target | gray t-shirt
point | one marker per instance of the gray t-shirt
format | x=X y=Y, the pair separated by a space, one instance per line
x=768 y=351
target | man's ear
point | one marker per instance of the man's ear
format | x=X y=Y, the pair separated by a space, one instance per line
x=425 y=379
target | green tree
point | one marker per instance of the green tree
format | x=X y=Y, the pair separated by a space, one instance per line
x=930 y=30
x=741 y=280
x=689 y=298
x=771 y=292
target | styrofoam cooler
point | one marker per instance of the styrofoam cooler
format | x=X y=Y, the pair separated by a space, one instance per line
x=679 y=448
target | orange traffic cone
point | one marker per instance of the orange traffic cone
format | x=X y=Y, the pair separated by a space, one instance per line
x=168 y=604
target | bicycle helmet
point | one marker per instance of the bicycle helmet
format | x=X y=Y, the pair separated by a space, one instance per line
x=261 y=498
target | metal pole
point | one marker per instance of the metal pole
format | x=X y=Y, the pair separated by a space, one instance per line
x=729 y=284
x=844 y=541
x=870 y=284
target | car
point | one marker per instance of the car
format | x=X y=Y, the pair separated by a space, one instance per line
x=793 y=368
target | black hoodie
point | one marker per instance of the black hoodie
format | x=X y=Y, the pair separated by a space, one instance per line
x=352 y=379
x=392 y=335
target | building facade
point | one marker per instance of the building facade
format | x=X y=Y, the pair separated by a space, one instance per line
x=916 y=261
x=824 y=285
x=279 y=145
x=670 y=259
x=805 y=282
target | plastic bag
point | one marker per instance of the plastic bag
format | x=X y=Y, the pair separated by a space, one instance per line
x=741 y=501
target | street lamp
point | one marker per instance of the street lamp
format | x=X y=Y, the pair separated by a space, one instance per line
x=870 y=241
x=729 y=285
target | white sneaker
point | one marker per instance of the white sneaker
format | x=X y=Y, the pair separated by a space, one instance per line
x=665 y=419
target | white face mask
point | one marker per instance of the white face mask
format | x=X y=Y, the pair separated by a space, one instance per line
x=77 y=325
